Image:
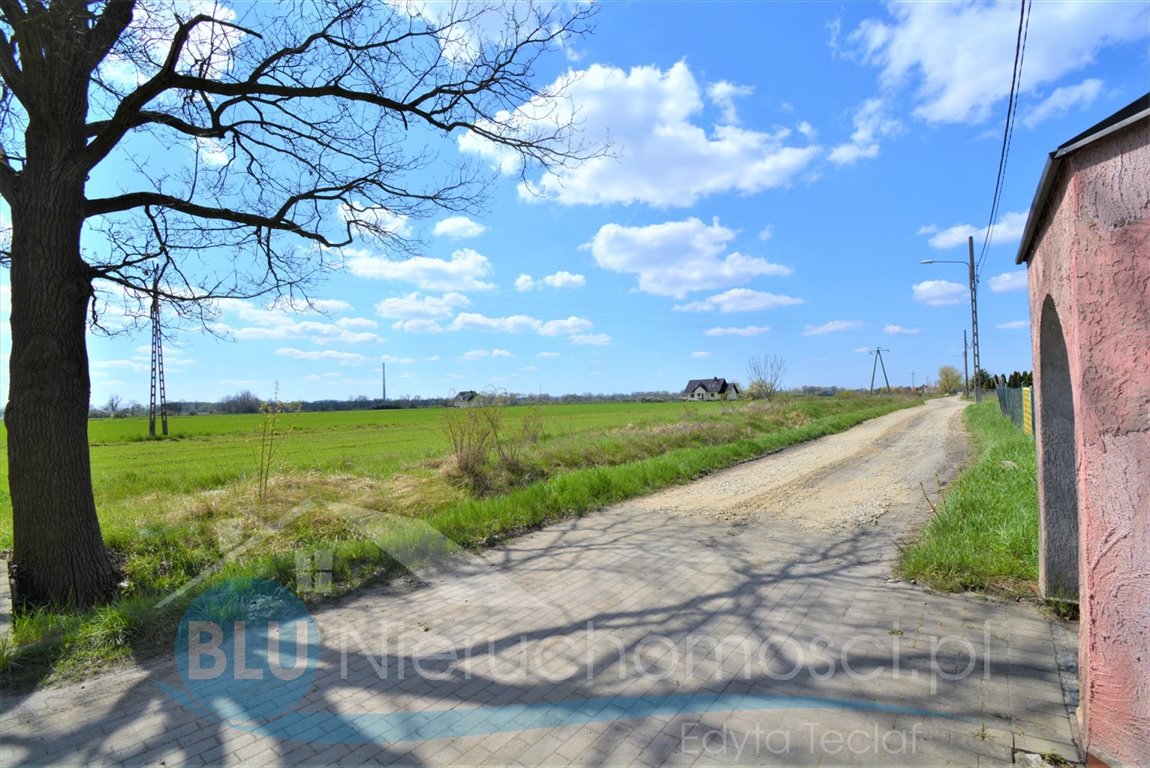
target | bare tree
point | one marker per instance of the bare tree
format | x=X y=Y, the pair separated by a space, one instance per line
x=246 y=151
x=765 y=374
x=114 y=404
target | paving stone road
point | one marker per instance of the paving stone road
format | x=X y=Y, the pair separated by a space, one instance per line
x=649 y=633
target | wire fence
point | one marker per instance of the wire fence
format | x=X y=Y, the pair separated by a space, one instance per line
x=1017 y=403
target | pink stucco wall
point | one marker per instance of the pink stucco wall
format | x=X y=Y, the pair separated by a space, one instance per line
x=1091 y=257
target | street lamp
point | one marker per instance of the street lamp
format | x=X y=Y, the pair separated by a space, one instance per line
x=973 y=310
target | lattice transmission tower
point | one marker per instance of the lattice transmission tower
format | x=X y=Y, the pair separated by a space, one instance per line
x=159 y=396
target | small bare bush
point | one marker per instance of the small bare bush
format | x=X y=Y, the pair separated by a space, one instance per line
x=470 y=438
x=532 y=425
x=487 y=451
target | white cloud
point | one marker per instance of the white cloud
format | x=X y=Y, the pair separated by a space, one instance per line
x=416 y=305
x=766 y=232
x=343 y=358
x=560 y=279
x=480 y=354
x=959 y=57
x=566 y=327
x=700 y=355
x=723 y=94
x=1062 y=100
x=464 y=32
x=1013 y=325
x=356 y=322
x=211 y=152
x=739 y=300
x=658 y=155
x=209 y=51
x=462 y=273
x=563 y=279
x=940 y=293
x=591 y=339
x=862 y=350
x=1009 y=229
x=472 y=321
x=871 y=124
x=280 y=322
x=1009 y=281
x=375 y=219
x=834 y=326
x=750 y=330
x=674 y=258
x=458 y=228
x=898 y=330
x=417 y=325
x=330 y=306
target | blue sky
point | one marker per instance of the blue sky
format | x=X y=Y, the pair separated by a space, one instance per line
x=778 y=171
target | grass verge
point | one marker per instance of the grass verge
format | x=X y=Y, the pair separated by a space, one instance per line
x=370 y=528
x=984 y=535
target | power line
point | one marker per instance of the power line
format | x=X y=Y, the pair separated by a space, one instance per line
x=1008 y=130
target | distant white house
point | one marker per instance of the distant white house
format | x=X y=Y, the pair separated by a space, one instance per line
x=711 y=389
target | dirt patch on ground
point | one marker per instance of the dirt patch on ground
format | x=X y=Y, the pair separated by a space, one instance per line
x=838 y=482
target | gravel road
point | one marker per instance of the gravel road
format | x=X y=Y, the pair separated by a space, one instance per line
x=838 y=482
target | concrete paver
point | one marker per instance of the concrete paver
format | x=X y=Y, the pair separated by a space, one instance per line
x=627 y=637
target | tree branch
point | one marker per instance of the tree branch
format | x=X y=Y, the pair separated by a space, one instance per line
x=9 y=70
x=278 y=222
x=150 y=117
x=103 y=35
x=129 y=109
x=9 y=178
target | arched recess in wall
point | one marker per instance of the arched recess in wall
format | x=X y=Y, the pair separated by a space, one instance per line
x=1058 y=515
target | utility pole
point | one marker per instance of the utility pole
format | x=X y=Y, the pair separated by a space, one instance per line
x=973 y=312
x=877 y=362
x=974 y=320
x=157 y=387
x=383 y=378
x=912 y=379
x=965 y=370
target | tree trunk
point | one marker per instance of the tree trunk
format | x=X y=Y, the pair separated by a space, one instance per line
x=58 y=555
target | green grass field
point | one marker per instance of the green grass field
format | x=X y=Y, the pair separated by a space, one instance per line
x=984 y=535
x=204 y=453
x=343 y=484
